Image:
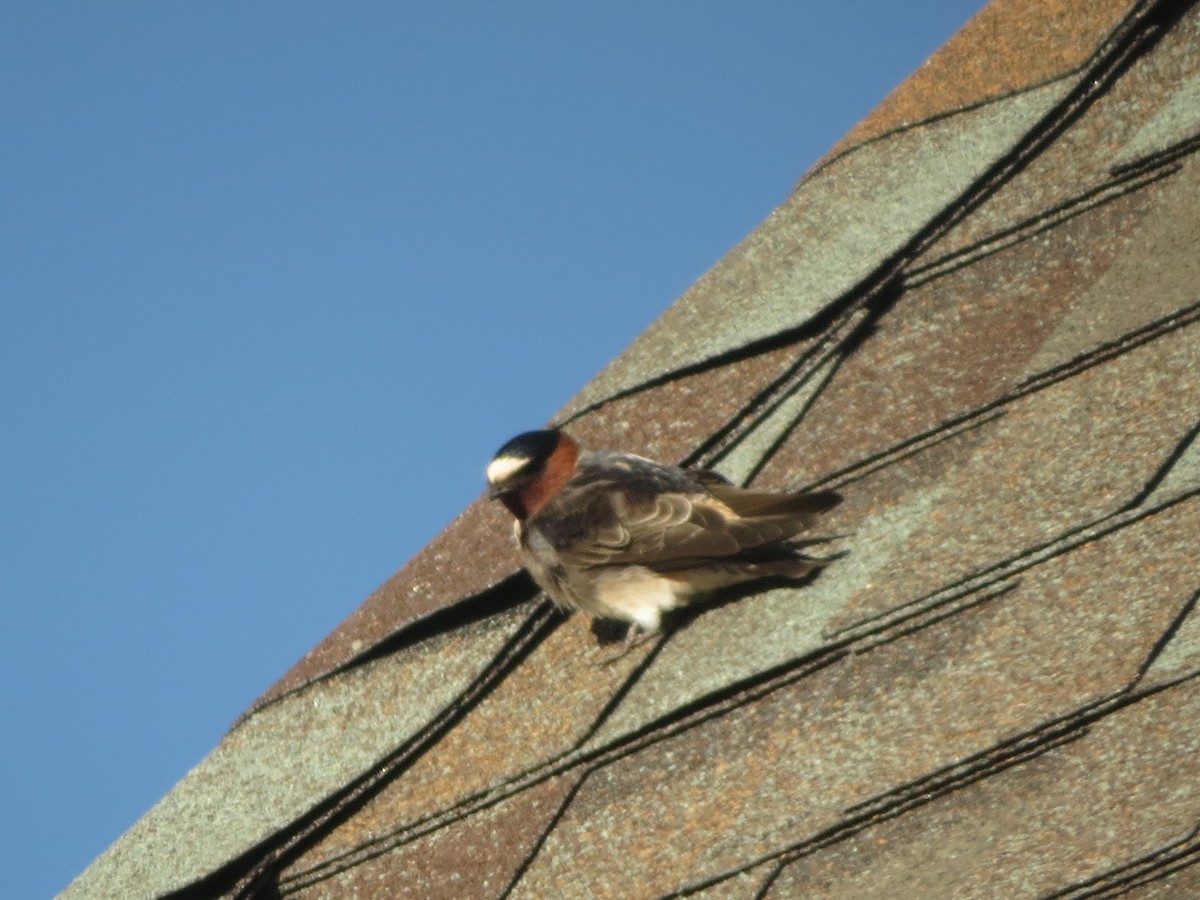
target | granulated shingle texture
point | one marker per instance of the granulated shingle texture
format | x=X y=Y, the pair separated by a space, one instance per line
x=979 y=319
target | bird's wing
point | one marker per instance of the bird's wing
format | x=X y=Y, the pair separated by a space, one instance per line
x=606 y=525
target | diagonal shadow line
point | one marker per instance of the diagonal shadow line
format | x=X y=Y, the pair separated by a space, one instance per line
x=1158 y=158
x=1175 y=321
x=983 y=578
x=1020 y=746
x=536 y=849
x=836 y=363
x=980 y=415
x=896 y=628
x=830 y=161
x=768 y=885
x=857 y=321
x=1147 y=869
x=1028 y=745
x=1164 y=470
x=1010 y=566
x=1034 y=226
x=726 y=435
x=624 y=690
x=908 y=448
x=505 y=595
x=812 y=330
x=1165 y=638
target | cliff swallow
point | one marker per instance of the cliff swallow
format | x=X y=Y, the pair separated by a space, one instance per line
x=623 y=537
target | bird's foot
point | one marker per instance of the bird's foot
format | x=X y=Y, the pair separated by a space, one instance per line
x=633 y=638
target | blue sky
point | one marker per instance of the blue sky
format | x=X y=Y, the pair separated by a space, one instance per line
x=278 y=278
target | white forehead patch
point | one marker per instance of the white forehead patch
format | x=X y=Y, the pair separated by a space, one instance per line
x=502 y=468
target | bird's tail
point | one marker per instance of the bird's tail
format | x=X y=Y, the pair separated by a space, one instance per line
x=758 y=504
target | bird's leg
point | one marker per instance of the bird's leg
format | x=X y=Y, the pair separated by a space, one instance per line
x=633 y=637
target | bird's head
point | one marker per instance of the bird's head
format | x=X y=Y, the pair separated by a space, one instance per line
x=530 y=469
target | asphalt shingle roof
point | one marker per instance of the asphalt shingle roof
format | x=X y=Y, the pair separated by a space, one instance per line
x=979 y=319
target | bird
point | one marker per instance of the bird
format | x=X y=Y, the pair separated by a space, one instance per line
x=626 y=538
